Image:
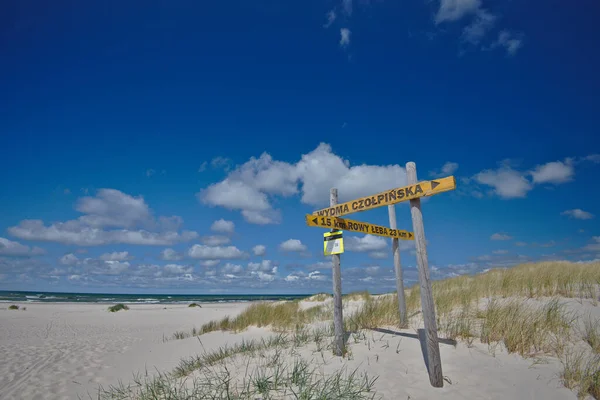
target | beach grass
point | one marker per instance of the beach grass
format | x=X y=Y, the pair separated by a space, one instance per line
x=118 y=307
x=591 y=333
x=194 y=305
x=13 y=307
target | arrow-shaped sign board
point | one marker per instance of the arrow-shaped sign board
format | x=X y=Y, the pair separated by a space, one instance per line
x=357 y=226
x=393 y=196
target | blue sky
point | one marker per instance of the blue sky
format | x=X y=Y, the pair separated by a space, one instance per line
x=160 y=147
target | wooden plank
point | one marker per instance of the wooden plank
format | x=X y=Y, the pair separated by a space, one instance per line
x=397 y=269
x=434 y=362
x=357 y=226
x=338 y=318
x=393 y=196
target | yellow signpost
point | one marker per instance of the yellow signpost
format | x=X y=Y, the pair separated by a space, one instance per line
x=393 y=196
x=357 y=226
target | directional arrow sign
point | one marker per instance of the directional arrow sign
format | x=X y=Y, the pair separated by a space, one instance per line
x=393 y=196
x=357 y=226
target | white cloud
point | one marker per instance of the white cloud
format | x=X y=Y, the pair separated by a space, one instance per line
x=520 y=244
x=262 y=217
x=345 y=37
x=259 y=250
x=264 y=266
x=209 y=263
x=170 y=255
x=116 y=256
x=331 y=16
x=447 y=169
x=510 y=41
x=578 y=213
x=232 y=269
x=500 y=251
x=292 y=278
x=249 y=186
x=500 y=236
x=10 y=248
x=365 y=244
x=110 y=208
x=214 y=253
x=379 y=254
x=292 y=245
x=175 y=269
x=553 y=172
x=221 y=162
x=507 y=182
x=72 y=232
x=481 y=24
x=453 y=10
x=69 y=259
x=215 y=240
x=223 y=226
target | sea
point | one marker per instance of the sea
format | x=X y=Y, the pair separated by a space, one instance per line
x=53 y=297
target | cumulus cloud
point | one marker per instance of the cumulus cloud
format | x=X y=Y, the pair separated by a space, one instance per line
x=365 y=244
x=249 y=187
x=555 y=172
x=578 y=213
x=69 y=259
x=292 y=245
x=232 y=269
x=16 y=249
x=109 y=209
x=500 y=236
x=215 y=253
x=259 y=250
x=345 y=37
x=507 y=182
x=209 y=263
x=223 y=226
x=170 y=255
x=116 y=256
x=215 y=240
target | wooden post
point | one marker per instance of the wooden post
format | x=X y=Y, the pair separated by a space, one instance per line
x=434 y=361
x=398 y=269
x=338 y=319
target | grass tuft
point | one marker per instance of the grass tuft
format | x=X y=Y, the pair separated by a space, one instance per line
x=118 y=307
x=591 y=333
x=194 y=305
x=13 y=307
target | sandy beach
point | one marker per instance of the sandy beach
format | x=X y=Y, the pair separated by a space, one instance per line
x=65 y=351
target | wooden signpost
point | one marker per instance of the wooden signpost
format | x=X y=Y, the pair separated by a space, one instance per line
x=330 y=218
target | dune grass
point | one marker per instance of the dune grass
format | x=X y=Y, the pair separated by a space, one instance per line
x=591 y=333
x=319 y=297
x=581 y=373
x=353 y=296
x=194 y=305
x=279 y=316
x=13 y=307
x=118 y=307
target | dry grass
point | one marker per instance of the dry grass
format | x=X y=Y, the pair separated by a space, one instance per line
x=354 y=296
x=591 y=333
x=279 y=317
x=319 y=297
x=581 y=372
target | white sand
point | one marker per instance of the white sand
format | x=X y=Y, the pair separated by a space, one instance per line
x=61 y=351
